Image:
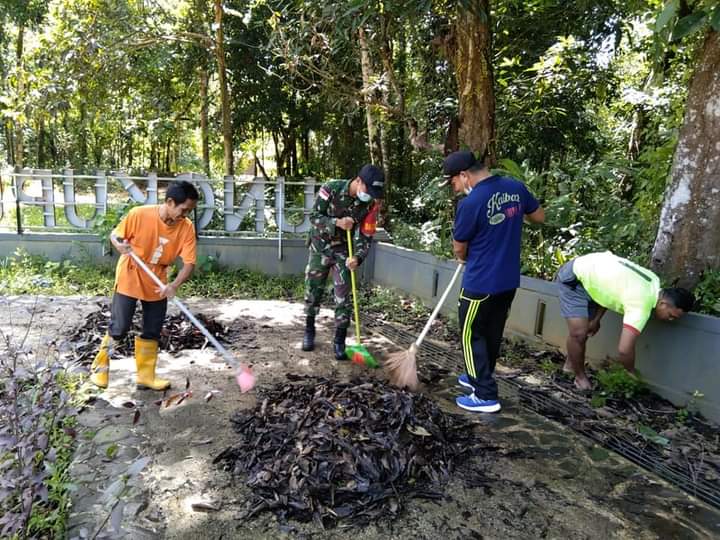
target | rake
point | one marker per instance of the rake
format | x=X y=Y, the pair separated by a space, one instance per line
x=243 y=375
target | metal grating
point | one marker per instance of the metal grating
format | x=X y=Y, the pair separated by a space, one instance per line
x=689 y=478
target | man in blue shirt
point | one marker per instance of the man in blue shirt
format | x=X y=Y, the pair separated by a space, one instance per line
x=486 y=237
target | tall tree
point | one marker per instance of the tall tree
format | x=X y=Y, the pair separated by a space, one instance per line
x=367 y=78
x=25 y=14
x=224 y=90
x=472 y=60
x=688 y=237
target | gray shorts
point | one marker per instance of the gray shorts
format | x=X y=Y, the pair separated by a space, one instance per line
x=575 y=302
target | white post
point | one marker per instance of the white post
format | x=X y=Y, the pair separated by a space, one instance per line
x=280 y=211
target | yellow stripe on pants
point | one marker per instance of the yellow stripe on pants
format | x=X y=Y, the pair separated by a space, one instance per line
x=467 y=333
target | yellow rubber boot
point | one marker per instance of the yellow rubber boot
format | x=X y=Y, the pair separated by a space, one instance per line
x=146 y=353
x=100 y=369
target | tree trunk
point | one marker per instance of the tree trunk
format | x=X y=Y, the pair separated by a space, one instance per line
x=385 y=152
x=627 y=186
x=153 y=156
x=293 y=154
x=19 y=136
x=224 y=91
x=205 y=139
x=41 y=143
x=167 y=155
x=130 y=155
x=279 y=156
x=474 y=76
x=403 y=153
x=306 y=150
x=367 y=74
x=688 y=237
x=10 y=146
x=52 y=145
x=82 y=154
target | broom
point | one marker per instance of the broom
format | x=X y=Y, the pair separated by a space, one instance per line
x=357 y=353
x=401 y=367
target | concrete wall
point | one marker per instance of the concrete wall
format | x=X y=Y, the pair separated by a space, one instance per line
x=258 y=254
x=419 y=274
x=54 y=246
x=675 y=358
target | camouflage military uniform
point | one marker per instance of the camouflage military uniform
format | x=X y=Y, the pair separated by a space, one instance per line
x=329 y=249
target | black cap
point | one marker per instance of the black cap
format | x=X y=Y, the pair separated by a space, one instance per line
x=458 y=162
x=374 y=180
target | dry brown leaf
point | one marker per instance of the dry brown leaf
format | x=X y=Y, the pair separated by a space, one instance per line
x=204 y=506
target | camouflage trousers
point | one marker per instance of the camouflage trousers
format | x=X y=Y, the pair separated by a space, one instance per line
x=316 y=274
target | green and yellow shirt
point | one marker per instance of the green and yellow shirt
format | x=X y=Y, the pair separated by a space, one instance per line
x=619 y=285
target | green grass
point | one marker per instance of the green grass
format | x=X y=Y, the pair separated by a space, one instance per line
x=33 y=274
x=241 y=283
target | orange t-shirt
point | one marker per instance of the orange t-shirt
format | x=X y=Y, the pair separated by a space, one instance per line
x=155 y=243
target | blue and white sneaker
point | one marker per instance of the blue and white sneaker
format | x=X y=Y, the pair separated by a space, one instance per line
x=475 y=404
x=464 y=381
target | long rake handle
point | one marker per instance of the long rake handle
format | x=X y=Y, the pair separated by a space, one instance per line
x=354 y=290
x=438 y=306
x=229 y=358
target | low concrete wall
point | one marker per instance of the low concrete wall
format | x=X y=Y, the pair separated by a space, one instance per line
x=54 y=246
x=258 y=254
x=416 y=273
x=675 y=358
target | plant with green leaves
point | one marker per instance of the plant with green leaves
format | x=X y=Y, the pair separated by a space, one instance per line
x=548 y=367
x=691 y=408
x=23 y=273
x=36 y=443
x=617 y=382
x=707 y=293
x=105 y=223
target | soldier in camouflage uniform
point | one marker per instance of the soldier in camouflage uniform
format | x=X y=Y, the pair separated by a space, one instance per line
x=340 y=205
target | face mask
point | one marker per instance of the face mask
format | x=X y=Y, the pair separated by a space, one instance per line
x=467 y=189
x=364 y=197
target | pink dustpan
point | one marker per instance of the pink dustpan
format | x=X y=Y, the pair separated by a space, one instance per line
x=245 y=379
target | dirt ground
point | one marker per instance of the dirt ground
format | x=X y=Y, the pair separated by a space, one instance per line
x=542 y=482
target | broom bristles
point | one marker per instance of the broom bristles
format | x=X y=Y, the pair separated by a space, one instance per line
x=401 y=368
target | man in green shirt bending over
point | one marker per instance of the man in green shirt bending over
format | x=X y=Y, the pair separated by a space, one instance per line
x=594 y=283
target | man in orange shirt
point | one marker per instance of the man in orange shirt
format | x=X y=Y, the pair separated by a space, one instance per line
x=158 y=234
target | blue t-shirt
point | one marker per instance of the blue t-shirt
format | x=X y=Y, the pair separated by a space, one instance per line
x=490 y=220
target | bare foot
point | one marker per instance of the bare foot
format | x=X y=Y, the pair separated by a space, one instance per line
x=583 y=383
